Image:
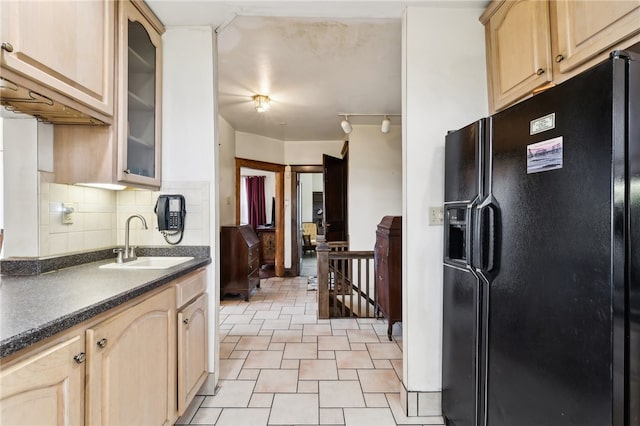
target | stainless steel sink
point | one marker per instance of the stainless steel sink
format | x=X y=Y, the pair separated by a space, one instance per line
x=154 y=262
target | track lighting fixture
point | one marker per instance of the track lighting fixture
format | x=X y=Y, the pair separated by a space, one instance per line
x=262 y=102
x=346 y=126
x=384 y=128
x=386 y=125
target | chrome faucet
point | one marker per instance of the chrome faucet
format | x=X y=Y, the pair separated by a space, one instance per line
x=129 y=252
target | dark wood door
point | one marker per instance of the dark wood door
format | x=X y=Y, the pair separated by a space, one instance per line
x=335 y=198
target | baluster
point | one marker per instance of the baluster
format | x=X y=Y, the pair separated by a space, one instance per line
x=322 y=253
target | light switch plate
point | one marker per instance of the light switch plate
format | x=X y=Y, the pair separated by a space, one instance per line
x=436 y=215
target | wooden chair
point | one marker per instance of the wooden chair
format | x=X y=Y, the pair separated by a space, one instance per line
x=306 y=243
x=309 y=235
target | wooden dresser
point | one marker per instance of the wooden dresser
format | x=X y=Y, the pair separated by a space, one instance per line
x=239 y=261
x=388 y=269
x=267 y=237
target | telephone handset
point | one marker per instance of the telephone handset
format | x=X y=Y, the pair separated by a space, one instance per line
x=171 y=213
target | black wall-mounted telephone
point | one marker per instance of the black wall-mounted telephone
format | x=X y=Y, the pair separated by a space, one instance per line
x=171 y=211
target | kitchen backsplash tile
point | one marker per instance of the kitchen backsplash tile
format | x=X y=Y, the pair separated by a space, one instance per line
x=100 y=215
x=143 y=202
x=94 y=211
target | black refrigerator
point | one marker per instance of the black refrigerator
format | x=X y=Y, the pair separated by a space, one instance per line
x=541 y=291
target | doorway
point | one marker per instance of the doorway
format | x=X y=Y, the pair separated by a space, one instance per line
x=307 y=188
x=278 y=203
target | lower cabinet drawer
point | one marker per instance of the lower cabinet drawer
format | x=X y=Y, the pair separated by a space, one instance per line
x=190 y=286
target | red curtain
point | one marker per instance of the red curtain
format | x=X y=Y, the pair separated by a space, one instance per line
x=255 y=201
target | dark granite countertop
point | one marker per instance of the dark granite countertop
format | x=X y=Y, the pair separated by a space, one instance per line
x=33 y=308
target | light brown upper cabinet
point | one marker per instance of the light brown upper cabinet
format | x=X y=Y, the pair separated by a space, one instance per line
x=535 y=44
x=129 y=152
x=586 y=28
x=518 y=49
x=139 y=103
x=61 y=50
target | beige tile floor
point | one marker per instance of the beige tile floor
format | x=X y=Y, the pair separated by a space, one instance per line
x=279 y=365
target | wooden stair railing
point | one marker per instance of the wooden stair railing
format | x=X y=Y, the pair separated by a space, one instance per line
x=345 y=284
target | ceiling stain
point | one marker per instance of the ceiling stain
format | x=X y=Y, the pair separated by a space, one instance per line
x=312 y=69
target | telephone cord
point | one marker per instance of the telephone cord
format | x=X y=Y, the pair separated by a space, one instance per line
x=166 y=236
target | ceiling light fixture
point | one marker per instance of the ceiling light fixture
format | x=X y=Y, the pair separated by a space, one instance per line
x=346 y=126
x=384 y=128
x=262 y=102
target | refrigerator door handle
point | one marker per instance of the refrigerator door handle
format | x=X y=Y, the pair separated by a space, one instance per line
x=469 y=237
x=486 y=235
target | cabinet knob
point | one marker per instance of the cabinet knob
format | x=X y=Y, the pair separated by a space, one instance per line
x=102 y=343
x=7 y=47
x=540 y=71
x=559 y=58
x=79 y=359
x=186 y=321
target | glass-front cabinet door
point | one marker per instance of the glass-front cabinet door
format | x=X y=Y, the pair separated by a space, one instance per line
x=140 y=99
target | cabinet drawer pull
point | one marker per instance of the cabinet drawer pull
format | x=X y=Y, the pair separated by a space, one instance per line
x=559 y=58
x=102 y=343
x=7 y=47
x=186 y=321
x=79 y=359
x=540 y=71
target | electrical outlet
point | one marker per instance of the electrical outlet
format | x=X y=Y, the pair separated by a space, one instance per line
x=67 y=210
x=436 y=215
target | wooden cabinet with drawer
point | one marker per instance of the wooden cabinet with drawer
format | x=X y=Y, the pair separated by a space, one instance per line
x=388 y=269
x=267 y=236
x=193 y=337
x=131 y=365
x=239 y=261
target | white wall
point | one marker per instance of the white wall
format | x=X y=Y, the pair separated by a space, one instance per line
x=21 y=211
x=226 y=171
x=444 y=88
x=318 y=182
x=189 y=136
x=309 y=183
x=302 y=153
x=375 y=181
x=260 y=148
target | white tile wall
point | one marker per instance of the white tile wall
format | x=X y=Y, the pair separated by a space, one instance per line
x=143 y=202
x=100 y=216
x=93 y=218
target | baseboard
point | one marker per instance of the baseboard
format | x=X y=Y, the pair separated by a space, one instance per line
x=421 y=404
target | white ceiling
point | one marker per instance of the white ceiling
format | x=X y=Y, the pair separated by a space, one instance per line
x=315 y=59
